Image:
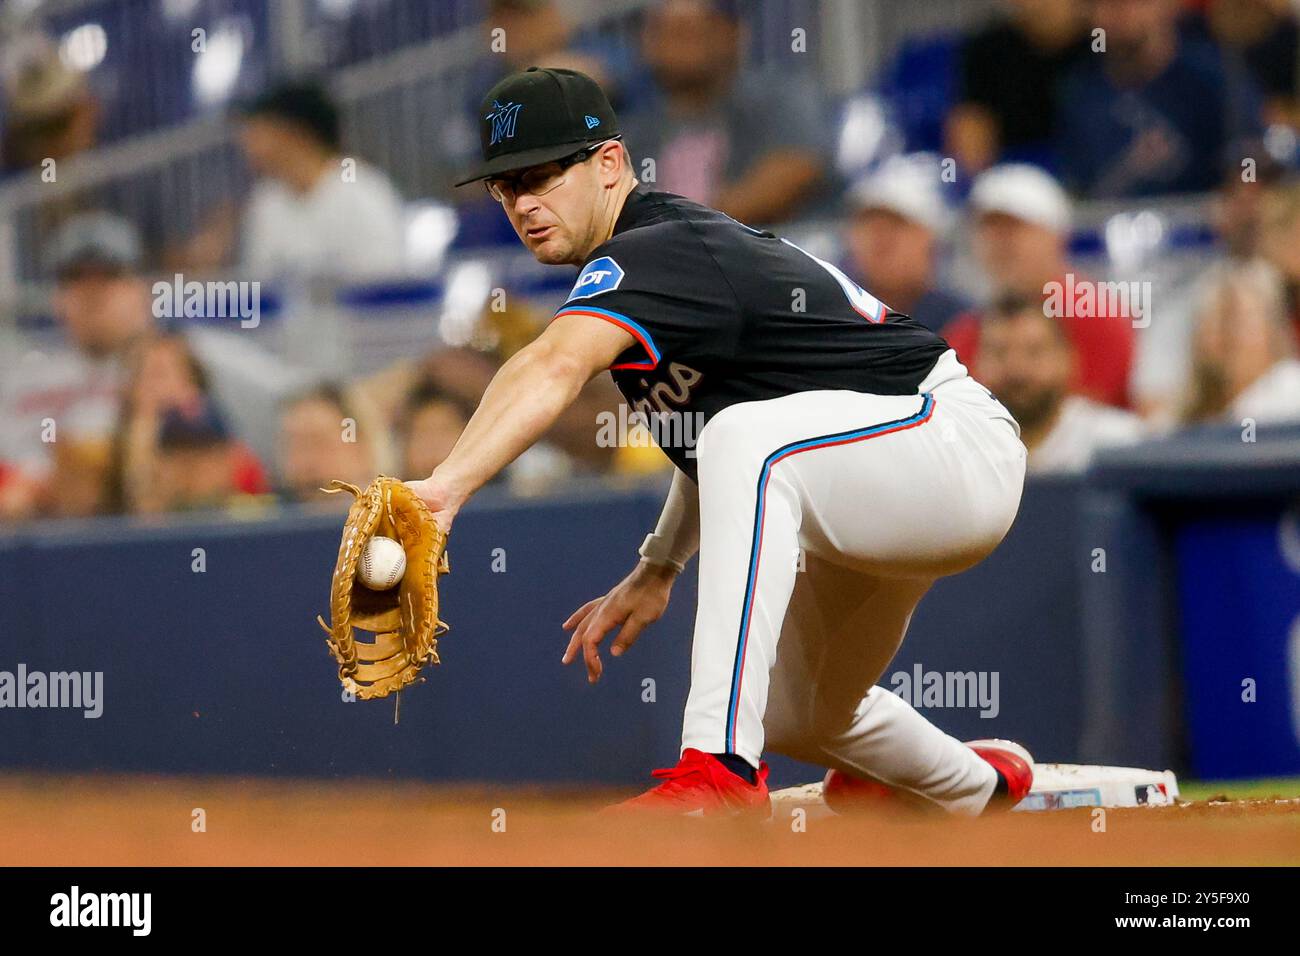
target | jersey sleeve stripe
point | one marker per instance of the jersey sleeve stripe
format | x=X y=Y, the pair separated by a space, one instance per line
x=627 y=325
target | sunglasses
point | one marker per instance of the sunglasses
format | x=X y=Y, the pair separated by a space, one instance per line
x=538 y=180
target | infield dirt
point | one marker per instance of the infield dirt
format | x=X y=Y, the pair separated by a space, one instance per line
x=151 y=821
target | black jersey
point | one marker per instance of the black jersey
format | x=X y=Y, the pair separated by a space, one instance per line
x=724 y=313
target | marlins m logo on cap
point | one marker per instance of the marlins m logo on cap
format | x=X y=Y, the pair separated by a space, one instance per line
x=503 y=121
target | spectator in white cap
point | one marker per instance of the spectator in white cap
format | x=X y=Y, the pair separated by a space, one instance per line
x=1020 y=218
x=894 y=234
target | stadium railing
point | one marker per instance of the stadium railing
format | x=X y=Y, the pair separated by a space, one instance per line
x=405 y=102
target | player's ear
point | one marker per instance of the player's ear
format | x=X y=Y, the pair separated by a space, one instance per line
x=610 y=163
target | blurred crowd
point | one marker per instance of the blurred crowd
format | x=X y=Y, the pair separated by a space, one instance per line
x=1002 y=132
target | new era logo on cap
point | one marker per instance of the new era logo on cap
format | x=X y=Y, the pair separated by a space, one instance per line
x=591 y=121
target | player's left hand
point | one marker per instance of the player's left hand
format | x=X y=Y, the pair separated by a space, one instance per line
x=441 y=499
x=637 y=601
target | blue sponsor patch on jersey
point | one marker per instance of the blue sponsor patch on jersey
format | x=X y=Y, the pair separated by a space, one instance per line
x=599 y=275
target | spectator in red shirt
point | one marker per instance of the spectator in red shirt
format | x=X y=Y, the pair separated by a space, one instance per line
x=1021 y=226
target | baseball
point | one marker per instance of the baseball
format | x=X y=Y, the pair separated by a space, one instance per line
x=383 y=562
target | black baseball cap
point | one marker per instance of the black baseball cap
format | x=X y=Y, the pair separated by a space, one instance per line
x=538 y=116
x=306 y=105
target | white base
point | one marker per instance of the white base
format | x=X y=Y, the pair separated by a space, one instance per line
x=1058 y=786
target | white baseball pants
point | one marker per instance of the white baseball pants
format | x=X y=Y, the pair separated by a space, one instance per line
x=825 y=516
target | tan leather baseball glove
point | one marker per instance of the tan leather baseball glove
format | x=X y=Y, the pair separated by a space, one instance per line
x=404 y=619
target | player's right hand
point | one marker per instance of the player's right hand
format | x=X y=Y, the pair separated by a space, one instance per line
x=638 y=600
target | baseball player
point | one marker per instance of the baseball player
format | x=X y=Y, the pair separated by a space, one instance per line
x=833 y=459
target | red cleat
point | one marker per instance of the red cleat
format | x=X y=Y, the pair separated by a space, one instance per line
x=701 y=785
x=1015 y=764
x=847 y=794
